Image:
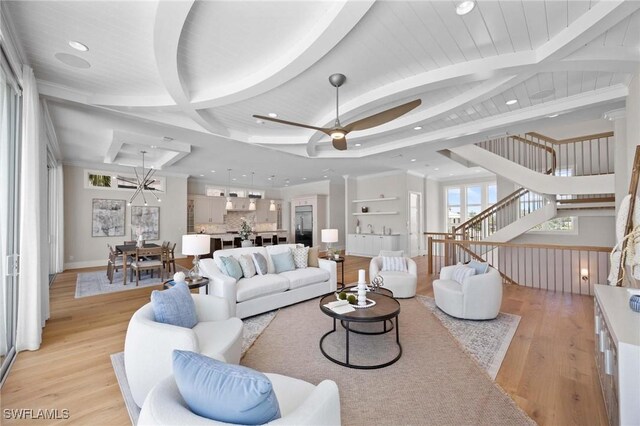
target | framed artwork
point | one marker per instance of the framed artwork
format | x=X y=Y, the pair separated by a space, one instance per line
x=107 y=218
x=145 y=221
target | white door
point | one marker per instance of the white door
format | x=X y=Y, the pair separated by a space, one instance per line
x=415 y=223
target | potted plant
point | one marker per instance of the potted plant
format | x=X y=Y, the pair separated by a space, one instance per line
x=245 y=232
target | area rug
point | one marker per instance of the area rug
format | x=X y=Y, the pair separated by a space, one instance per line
x=253 y=327
x=96 y=283
x=486 y=341
x=434 y=382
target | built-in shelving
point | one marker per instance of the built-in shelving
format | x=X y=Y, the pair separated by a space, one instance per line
x=373 y=213
x=376 y=199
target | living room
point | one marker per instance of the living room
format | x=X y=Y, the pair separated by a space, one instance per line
x=289 y=152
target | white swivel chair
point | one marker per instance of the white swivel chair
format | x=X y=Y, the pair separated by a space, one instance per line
x=149 y=345
x=301 y=403
x=402 y=284
x=478 y=297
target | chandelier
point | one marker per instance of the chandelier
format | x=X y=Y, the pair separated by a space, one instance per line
x=142 y=183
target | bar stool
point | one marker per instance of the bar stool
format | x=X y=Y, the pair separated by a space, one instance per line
x=266 y=240
x=237 y=242
x=274 y=239
x=258 y=241
x=282 y=240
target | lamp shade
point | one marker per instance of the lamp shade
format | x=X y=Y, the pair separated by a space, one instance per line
x=329 y=235
x=195 y=244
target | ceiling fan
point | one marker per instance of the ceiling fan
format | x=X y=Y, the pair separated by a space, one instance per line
x=339 y=132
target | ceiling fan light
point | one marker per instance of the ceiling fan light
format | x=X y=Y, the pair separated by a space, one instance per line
x=337 y=134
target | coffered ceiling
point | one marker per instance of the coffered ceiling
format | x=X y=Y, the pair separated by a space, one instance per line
x=196 y=71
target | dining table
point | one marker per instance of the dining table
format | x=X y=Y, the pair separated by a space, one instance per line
x=128 y=250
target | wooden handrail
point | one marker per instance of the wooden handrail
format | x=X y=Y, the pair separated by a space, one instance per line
x=571 y=140
x=528 y=245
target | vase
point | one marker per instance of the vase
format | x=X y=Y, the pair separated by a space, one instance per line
x=357 y=229
x=246 y=243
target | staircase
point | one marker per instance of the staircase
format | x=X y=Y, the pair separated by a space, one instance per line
x=558 y=178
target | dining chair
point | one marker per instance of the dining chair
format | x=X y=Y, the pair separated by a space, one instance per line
x=148 y=259
x=115 y=262
x=169 y=259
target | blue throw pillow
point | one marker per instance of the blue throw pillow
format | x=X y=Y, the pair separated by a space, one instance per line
x=174 y=306
x=232 y=266
x=283 y=262
x=480 y=267
x=224 y=392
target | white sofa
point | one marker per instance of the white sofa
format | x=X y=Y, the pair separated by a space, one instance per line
x=478 y=297
x=402 y=284
x=149 y=345
x=301 y=403
x=263 y=293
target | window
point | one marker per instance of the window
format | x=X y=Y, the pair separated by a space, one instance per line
x=467 y=201
x=567 y=224
x=96 y=179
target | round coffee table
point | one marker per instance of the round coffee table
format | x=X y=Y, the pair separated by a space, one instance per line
x=386 y=309
x=202 y=282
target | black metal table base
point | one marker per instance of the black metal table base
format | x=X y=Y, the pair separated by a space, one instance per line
x=345 y=324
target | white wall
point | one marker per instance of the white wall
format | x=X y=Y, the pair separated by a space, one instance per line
x=336 y=209
x=83 y=250
x=592 y=231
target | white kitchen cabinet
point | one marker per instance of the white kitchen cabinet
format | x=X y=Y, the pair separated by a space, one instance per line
x=263 y=212
x=371 y=244
x=207 y=209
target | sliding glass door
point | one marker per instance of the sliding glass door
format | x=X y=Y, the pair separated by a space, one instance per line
x=10 y=106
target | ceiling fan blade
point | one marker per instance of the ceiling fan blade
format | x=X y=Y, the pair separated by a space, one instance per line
x=340 y=144
x=383 y=117
x=291 y=123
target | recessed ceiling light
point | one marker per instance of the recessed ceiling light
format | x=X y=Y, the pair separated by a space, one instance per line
x=78 y=46
x=234 y=179
x=417 y=128
x=304 y=178
x=436 y=169
x=465 y=7
x=272 y=115
x=154 y=146
x=213 y=171
x=450 y=174
x=358 y=144
x=511 y=101
x=325 y=176
x=201 y=175
x=244 y=175
x=413 y=159
x=553 y=115
x=269 y=178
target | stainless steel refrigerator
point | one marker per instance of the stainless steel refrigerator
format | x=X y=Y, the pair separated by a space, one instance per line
x=304 y=225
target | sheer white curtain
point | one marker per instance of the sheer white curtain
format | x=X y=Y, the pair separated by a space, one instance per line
x=56 y=217
x=32 y=292
x=4 y=158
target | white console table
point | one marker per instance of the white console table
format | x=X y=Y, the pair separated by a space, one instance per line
x=617 y=354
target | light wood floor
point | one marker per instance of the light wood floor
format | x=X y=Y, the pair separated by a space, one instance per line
x=549 y=369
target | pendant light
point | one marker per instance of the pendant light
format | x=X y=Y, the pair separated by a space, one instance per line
x=252 y=201
x=143 y=182
x=229 y=205
x=272 y=206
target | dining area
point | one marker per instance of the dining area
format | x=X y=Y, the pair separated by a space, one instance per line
x=139 y=257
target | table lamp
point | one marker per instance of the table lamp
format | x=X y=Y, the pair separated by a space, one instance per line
x=329 y=236
x=195 y=245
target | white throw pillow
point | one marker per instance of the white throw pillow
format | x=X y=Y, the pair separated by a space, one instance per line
x=461 y=272
x=301 y=257
x=394 y=263
x=246 y=263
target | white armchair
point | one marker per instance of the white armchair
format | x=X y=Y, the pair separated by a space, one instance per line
x=402 y=284
x=149 y=345
x=478 y=297
x=301 y=403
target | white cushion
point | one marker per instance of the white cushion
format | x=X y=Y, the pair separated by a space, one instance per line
x=236 y=252
x=302 y=277
x=401 y=284
x=246 y=263
x=217 y=337
x=146 y=264
x=391 y=253
x=260 y=285
x=461 y=272
x=394 y=263
x=290 y=392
